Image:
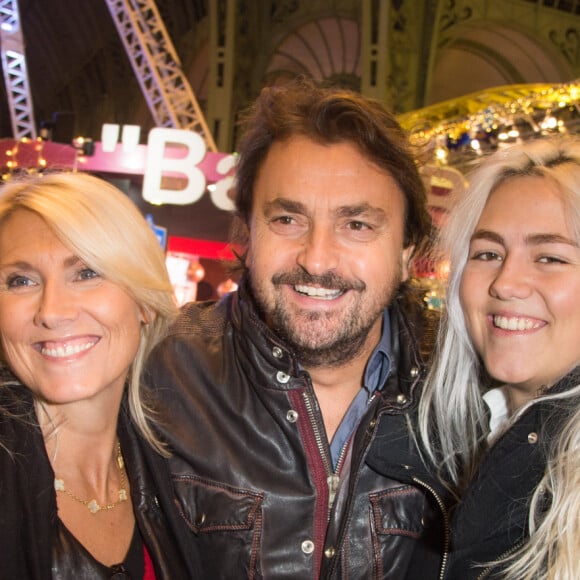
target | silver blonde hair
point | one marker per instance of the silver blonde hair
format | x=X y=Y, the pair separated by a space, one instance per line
x=452 y=412
x=105 y=229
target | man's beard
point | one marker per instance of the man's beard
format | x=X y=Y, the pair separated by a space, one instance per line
x=322 y=338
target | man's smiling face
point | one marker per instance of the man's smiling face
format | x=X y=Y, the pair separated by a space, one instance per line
x=326 y=248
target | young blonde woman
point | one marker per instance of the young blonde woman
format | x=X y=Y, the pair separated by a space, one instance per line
x=500 y=415
x=84 y=297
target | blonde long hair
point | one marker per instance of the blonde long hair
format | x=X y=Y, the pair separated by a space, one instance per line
x=452 y=412
x=102 y=226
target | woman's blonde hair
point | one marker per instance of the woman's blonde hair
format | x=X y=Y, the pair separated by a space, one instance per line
x=105 y=229
x=453 y=421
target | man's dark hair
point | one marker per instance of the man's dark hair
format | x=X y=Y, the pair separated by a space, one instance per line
x=329 y=116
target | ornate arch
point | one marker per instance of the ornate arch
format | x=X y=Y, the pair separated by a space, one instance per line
x=481 y=55
x=326 y=49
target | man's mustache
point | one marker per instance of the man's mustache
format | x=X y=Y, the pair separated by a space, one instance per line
x=328 y=280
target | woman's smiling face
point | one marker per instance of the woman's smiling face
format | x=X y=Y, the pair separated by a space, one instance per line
x=67 y=333
x=521 y=286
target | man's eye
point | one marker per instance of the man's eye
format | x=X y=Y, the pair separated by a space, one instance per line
x=358 y=226
x=284 y=220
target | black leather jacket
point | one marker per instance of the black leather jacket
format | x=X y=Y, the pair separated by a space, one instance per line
x=31 y=546
x=251 y=461
x=492 y=519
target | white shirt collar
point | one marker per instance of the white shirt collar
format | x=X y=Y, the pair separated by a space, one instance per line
x=498 y=403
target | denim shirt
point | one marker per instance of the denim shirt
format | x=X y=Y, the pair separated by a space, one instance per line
x=376 y=373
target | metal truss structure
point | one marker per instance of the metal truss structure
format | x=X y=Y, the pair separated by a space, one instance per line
x=15 y=72
x=157 y=67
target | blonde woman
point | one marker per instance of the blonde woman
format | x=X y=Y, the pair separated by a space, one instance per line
x=500 y=414
x=84 y=297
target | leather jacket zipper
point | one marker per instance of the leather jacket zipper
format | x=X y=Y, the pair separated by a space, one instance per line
x=332 y=477
x=445 y=515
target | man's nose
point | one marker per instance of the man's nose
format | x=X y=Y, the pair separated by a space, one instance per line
x=319 y=252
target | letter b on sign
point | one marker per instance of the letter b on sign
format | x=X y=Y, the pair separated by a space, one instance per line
x=184 y=166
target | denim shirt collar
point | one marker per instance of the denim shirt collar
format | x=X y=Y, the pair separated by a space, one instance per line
x=376 y=373
x=379 y=363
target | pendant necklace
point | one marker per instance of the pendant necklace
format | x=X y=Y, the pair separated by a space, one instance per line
x=92 y=505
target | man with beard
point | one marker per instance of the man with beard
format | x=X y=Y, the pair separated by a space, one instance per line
x=274 y=395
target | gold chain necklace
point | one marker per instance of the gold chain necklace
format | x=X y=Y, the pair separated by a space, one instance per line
x=92 y=504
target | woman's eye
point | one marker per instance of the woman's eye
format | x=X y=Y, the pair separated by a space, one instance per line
x=88 y=274
x=486 y=256
x=17 y=281
x=551 y=260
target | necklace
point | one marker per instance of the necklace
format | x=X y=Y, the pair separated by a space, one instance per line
x=92 y=504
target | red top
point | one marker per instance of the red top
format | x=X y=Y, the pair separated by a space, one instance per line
x=149 y=570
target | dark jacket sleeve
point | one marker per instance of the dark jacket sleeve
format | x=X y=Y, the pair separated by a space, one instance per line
x=162 y=527
x=395 y=454
x=27 y=504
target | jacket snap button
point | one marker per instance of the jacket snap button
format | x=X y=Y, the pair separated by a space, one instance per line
x=277 y=352
x=200 y=520
x=282 y=377
x=414 y=372
x=307 y=546
x=401 y=399
x=329 y=552
x=532 y=438
x=292 y=416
